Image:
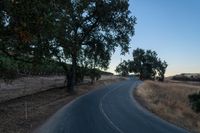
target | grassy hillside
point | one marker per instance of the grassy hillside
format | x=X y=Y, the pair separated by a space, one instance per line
x=169 y=100
x=187 y=77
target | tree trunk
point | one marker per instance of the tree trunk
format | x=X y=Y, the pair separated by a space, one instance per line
x=162 y=77
x=71 y=76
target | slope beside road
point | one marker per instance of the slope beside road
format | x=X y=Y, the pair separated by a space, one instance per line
x=169 y=100
x=111 y=109
x=24 y=114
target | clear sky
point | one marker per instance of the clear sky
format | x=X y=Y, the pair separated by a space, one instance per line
x=171 y=28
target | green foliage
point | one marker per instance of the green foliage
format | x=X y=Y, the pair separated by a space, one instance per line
x=94 y=74
x=161 y=69
x=195 y=101
x=11 y=69
x=73 y=32
x=26 y=28
x=91 y=30
x=123 y=68
x=8 y=70
x=80 y=73
x=147 y=65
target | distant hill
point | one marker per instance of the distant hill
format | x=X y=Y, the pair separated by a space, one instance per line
x=187 y=77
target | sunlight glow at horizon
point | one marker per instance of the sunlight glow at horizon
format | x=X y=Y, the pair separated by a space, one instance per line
x=171 y=28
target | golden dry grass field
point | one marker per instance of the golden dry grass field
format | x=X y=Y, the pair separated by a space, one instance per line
x=169 y=100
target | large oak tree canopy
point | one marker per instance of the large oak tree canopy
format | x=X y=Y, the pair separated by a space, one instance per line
x=73 y=31
x=145 y=63
x=26 y=29
x=95 y=29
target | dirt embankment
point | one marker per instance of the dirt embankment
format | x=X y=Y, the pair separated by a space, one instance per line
x=28 y=85
x=24 y=114
x=169 y=100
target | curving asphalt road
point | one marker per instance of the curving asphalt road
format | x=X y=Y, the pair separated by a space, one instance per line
x=111 y=109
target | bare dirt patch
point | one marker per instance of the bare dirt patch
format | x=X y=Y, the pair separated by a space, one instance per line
x=169 y=100
x=24 y=114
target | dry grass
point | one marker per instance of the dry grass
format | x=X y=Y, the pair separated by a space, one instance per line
x=170 y=101
x=30 y=85
x=40 y=107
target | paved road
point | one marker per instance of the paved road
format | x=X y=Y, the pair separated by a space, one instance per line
x=111 y=109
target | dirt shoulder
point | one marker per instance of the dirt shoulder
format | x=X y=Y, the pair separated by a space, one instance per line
x=169 y=100
x=24 y=114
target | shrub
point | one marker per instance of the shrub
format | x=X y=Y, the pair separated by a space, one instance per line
x=195 y=102
x=8 y=69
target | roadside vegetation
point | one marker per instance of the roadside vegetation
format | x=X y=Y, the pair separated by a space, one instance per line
x=195 y=97
x=169 y=100
x=24 y=114
x=12 y=69
x=176 y=100
x=195 y=101
x=77 y=39
x=79 y=36
x=187 y=77
x=72 y=38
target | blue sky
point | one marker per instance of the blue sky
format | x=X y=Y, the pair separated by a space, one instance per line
x=171 y=28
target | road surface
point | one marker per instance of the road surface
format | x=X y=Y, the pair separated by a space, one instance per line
x=111 y=109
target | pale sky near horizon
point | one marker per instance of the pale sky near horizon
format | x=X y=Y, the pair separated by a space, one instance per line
x=171 y=28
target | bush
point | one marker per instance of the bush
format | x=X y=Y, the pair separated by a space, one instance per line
x=94 y=74
x=8 y=71
x=11 y=69
x=185 y=77
x=195 y=102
